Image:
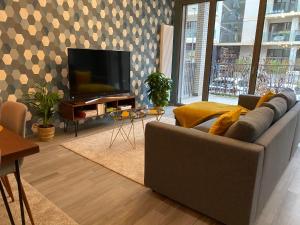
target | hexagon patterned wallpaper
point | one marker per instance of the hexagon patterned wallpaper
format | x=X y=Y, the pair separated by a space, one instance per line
x=35 y=35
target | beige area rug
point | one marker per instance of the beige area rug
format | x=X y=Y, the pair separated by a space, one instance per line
x=44 y=212
x=121 y=157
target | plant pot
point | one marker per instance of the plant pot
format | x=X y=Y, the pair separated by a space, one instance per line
x=158 y=107
x=46 y=133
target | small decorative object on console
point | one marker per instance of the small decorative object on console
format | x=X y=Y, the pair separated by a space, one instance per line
x=124 y=107
x=111 y=109
x=101 y=109
x=90 y=113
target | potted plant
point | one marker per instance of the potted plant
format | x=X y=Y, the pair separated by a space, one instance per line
x=159 y=87
x=44 y=105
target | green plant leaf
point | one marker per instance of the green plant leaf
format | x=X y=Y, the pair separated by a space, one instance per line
x=43 y=102
x=159 y=87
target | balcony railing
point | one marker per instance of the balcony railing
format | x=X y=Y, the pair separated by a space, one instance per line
x=229 y=79
x=232 y=79
x=283 y=7
x=277 y=36
x=276 y=77
x=282 y=36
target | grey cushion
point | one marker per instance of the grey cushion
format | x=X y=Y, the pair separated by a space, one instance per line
x=206 y=125
x=248 y=101
x=278 y=105
x=249 y=127
x=290 y=97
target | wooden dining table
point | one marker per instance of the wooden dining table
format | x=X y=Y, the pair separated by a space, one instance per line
x=14 y=148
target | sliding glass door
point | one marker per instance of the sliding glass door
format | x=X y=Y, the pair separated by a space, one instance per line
x=279 y=64
x=234 y=39
x=193 y=52
x=234 y=47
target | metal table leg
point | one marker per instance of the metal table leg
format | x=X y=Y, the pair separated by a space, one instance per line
x=18 y=178
x=6 y=205
x=76 y=124
x=66 y=123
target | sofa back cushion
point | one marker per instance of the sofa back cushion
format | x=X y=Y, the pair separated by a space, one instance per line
x=249 y=127
x=278 y=105
x=290 y=97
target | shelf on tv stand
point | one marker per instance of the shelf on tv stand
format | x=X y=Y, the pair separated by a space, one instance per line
x=100 y=100
x=67 y=109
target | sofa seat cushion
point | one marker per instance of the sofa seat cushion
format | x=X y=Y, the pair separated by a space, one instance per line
x=205 y=126
x=289 y=96
x=278 y=105
x=249 y=127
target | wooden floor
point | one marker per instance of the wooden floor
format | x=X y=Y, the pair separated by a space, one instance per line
x=92 y=194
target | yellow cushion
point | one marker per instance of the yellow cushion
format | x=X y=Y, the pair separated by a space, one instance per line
x=193 y=114
x=224 y=122
x=266 y=97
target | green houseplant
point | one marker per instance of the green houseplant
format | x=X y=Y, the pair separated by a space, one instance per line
x=44 y=105
x=159 y=87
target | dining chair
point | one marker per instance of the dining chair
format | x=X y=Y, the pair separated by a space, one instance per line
x=13 y=118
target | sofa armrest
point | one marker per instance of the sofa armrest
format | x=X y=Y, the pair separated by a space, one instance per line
x=248 y=101
x=215 y=175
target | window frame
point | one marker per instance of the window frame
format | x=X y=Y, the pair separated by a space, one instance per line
x=177 y=53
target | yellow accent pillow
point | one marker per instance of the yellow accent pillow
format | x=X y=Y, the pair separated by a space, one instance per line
x=266 y=97
x=224 y=122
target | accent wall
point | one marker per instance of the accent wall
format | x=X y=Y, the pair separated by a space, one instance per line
x=35 y=35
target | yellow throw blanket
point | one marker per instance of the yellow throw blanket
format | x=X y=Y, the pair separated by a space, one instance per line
x=193 y=114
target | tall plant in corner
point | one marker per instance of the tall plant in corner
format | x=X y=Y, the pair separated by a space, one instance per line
x=44 y=105
x=159 y=87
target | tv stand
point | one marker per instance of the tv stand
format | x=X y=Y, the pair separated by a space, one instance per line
x=71 y=111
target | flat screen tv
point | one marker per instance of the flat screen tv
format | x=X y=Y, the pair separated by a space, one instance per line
x=97 y=73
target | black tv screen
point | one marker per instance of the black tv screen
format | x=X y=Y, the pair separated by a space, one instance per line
x=96 y=73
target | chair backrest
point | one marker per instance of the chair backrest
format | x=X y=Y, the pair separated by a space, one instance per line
x=13 y=117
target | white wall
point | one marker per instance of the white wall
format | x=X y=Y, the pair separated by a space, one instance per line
x=246 y=51
x=263 y=52
x=270 y=4
x=218 y=22
x=250 y=20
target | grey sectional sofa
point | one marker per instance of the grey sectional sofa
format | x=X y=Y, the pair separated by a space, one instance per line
x=222 y=177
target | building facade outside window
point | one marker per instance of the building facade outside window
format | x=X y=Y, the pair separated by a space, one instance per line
x=234 y=39
x=280 y=31
x=284 y=6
